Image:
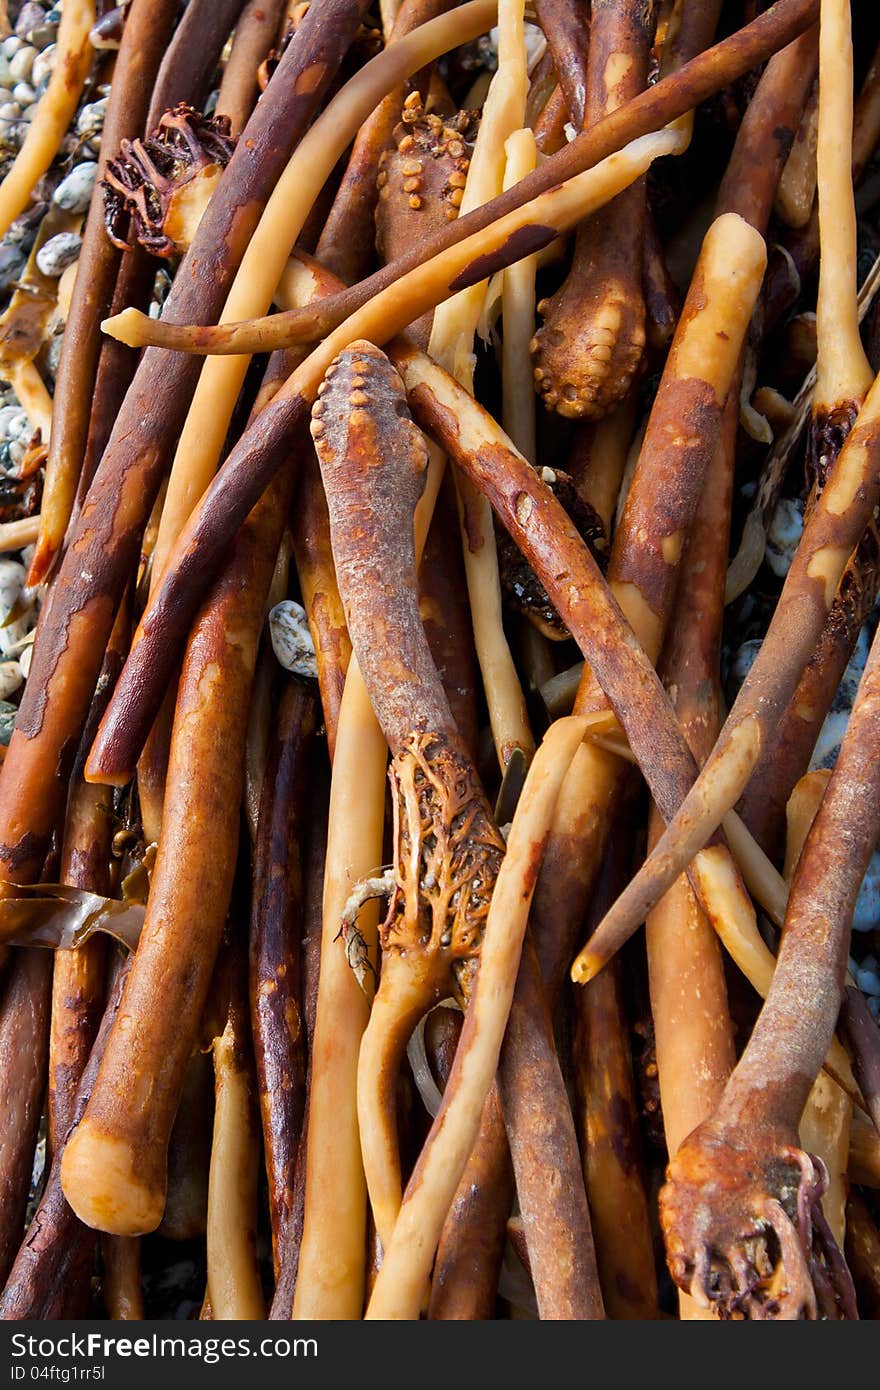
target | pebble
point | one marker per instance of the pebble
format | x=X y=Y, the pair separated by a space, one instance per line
x=29 y=16
x=10 y=111
x=43 y=65
x=7 y=416
x=291 y=639
x=74 y=192
x=834 y=727
x=12 y=577
x=7 y=720
x=14 y=635
x=24 y=94
x=24 y=661
x=11 y=678
x=10 y=46
x=21 y=64
x=91 y=118
x=743 y=661
x=783 y=535
x=12 y=263
x=58 y=253
x=867 y=910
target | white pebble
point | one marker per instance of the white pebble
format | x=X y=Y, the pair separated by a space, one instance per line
x=10 y=46
x=783 y=536
x=24 y=661
x=14 y=635
x=10 y=111
x=20 y=426
x=43 y=65
x=74 y=192
x=91 y=117
x=12 y=577
x=291 y=639
x=9 y=421
x=7 y=720
x=58 y=253
x=23 y=93
x=11 y=678
x=21 y=64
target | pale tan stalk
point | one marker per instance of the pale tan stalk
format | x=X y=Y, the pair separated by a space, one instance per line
x=452 y=344
x=33 y=397
x=332 y=1262
x=73 y=58
x=233 y=1275
x=400 y=1284
x=825 y=1124
x=797 y=182
x=203 y=435
x=518 y=315
x=842 y=369
x=16 y=534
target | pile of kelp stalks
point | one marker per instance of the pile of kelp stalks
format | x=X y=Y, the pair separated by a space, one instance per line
x=439 y=690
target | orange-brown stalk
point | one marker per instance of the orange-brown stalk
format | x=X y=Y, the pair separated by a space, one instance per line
x=234 y=1288
x=121 y=1283
x=114 y=1169
x=567 y=32
x=253 y=38
x=591 y=343
x=608 y=1127
x=863 y=1255
x=692 y=1027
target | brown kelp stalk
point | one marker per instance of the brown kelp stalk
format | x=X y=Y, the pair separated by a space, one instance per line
x=144 y=39
x=824 y=1127
x=358 y=433
x=24 y=1053
x=276 y=946
x=592 y=339
x=253 y=37
x=57 y=1251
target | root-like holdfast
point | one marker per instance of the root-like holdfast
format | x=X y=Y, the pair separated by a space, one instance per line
x=156 y=189
x=762 y=1249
